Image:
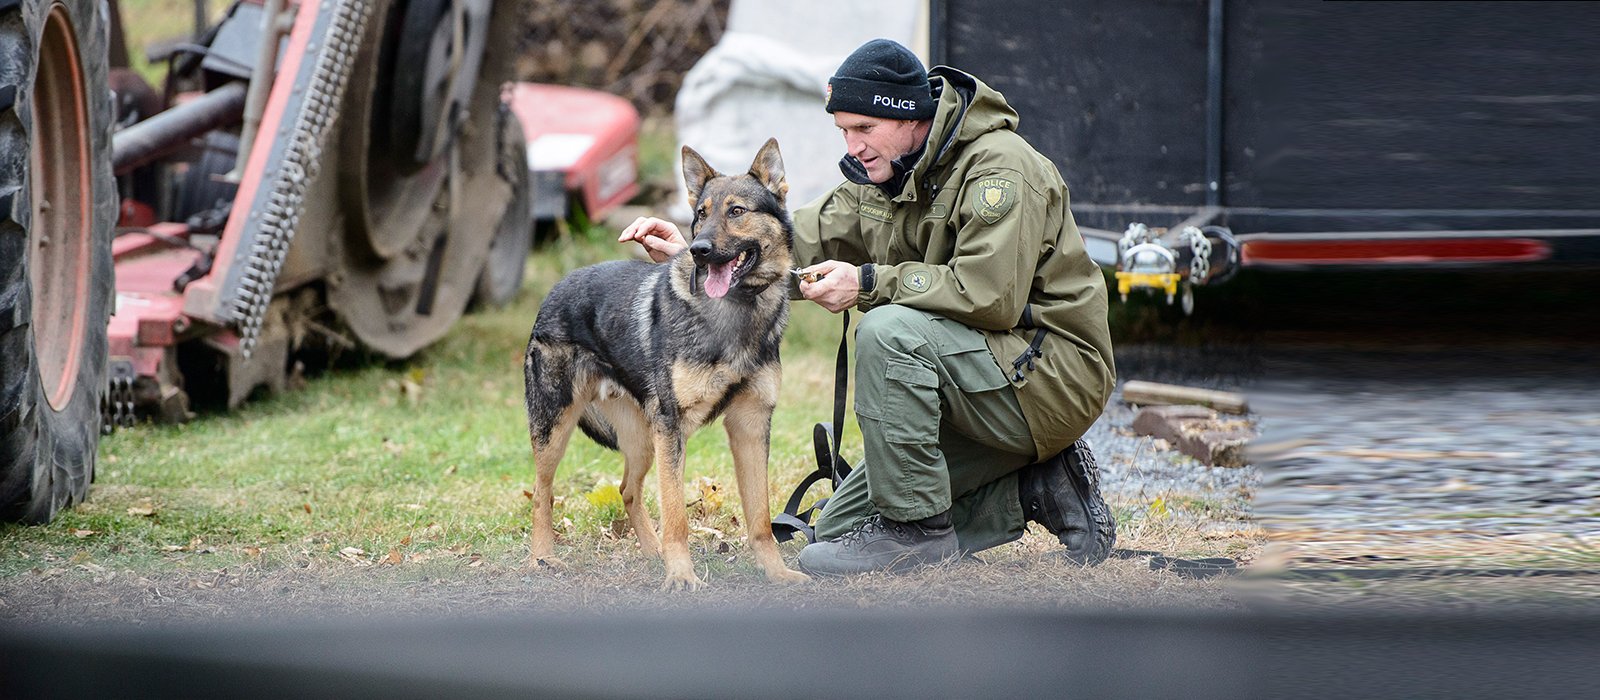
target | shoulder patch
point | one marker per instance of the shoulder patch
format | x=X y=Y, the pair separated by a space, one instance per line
x=917 y=281
x=993 y=197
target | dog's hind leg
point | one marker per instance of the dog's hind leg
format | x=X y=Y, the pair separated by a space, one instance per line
x=554 y=405
x=546 y=457
x=674 y=518
x=634 y=441
x=748 y=422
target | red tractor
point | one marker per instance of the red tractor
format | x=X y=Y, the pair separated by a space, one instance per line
x=312 y=177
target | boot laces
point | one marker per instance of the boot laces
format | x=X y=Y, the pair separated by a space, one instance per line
x=864 y=529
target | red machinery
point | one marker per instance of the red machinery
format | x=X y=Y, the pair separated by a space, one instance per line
x=582 y=146
x=313 y=177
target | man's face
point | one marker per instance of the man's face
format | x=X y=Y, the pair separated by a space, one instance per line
x=876 y=141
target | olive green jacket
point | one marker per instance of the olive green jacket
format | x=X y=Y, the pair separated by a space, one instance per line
x=981 y=233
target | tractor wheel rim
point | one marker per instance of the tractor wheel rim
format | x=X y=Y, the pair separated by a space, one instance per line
x=61 y=228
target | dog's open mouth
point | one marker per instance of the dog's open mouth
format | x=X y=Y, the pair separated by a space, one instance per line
x=725 y=275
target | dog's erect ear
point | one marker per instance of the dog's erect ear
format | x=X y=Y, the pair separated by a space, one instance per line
x=768 y=170
x=696 y=173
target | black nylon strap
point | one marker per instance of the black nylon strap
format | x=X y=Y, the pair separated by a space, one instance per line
x=825 y=439
x=841 y=385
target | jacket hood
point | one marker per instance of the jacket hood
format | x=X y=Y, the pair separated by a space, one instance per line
x=968 y=108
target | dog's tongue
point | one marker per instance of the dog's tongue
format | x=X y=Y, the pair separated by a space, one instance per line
x=720 y=279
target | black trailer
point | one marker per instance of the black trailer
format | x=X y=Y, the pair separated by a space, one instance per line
x=1291 y=134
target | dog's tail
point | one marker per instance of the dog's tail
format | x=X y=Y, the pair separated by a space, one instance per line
x=595 y=425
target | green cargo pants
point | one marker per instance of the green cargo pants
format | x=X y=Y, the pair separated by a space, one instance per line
x=942 y=430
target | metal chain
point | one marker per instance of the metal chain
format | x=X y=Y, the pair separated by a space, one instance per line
x=1200 y=254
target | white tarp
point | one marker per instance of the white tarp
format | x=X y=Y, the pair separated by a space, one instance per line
x=768 y=76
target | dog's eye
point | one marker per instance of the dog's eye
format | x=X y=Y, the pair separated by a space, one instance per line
x=735 y=211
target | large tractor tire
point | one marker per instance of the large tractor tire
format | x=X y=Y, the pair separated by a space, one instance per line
x=57 y=209
x=502 y=273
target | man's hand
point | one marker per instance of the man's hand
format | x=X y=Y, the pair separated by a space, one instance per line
x=660 y=238
x=837 y=289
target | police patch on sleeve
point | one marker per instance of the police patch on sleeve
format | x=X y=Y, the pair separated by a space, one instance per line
x=994 y=198
x=917 y=281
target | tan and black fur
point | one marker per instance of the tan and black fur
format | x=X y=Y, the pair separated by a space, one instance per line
x=641 y=355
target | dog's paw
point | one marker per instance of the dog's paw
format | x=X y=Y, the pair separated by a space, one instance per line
x=682 y=581
x=787 y=577
x=546 y=564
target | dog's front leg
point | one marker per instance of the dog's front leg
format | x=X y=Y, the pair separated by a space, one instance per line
x=749 y=425
x=674 y=516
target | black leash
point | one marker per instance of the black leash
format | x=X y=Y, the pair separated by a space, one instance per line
x=825 y=440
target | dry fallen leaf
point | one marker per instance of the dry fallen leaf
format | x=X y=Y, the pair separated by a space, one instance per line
x=306 y=506
x=355 y=555
x=252 y=551
x=80 y=534
x=144 y=508
x=710 y=532
x=710 y=500
x=392 y=558
x=527 y=494
x=405 y=540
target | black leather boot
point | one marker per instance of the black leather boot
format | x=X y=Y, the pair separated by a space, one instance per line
x=1063 y=494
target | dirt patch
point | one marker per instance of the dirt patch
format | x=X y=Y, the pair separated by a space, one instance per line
x=1019 y=575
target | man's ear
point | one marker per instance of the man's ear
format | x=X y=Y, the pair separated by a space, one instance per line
x=696 y=173
x=768 y=170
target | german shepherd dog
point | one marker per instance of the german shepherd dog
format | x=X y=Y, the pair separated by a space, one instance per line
x=640 y=355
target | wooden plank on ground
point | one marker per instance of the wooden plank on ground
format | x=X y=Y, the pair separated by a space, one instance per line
x=1141 y=393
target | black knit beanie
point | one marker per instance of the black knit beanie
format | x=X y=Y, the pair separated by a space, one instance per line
x=881 y=79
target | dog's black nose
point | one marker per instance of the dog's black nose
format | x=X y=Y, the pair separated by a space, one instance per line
x=700 y=248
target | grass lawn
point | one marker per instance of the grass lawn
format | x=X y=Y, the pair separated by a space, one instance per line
x=392 y=462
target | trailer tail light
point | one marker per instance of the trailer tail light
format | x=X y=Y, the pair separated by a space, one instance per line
x=1394 y=252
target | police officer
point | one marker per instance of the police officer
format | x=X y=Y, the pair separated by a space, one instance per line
x=984 y=352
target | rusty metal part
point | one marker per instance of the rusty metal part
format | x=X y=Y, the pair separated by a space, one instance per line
x=117 y=404
x=58 y=254
x=261 y=79
x=403 y=272
x=301 y=113
x=173 y=129
x=388 y=201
